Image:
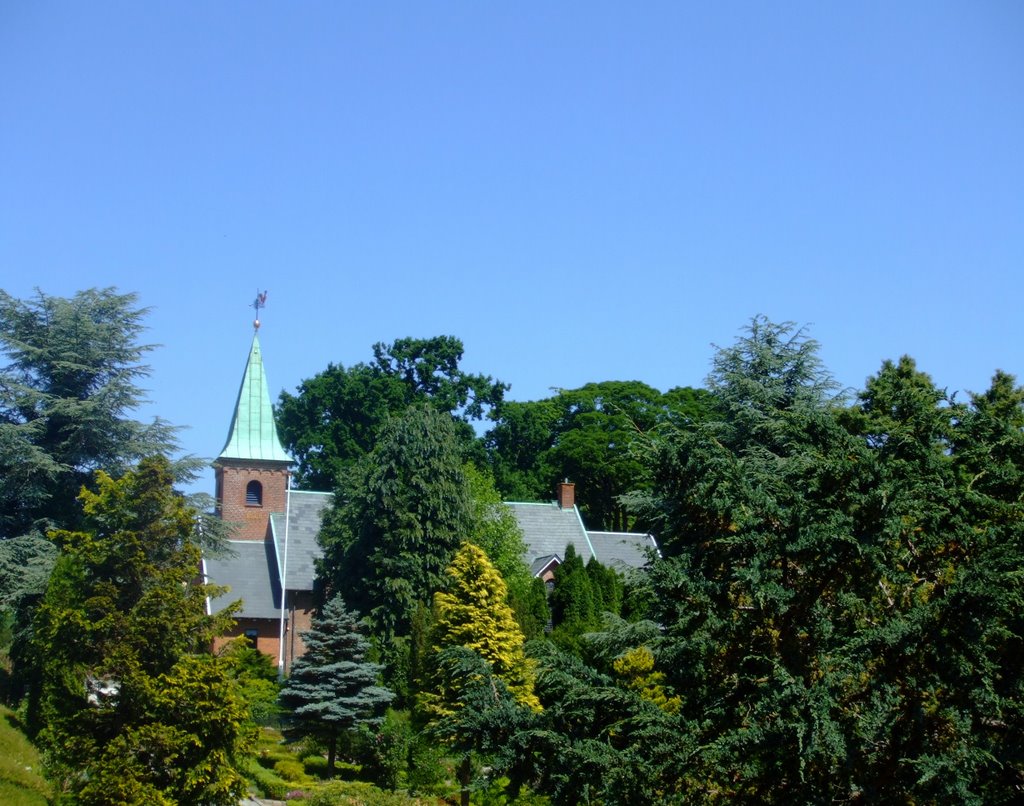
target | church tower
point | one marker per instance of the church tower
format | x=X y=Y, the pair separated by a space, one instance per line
x=252 y=470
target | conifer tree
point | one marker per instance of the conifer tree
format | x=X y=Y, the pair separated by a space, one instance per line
x=332 y=687
x=473 y=612
x=397 y=521
x=134 y=708
x=574 y=606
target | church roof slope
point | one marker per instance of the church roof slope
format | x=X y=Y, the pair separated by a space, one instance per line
x=250 y=573
x=305 y=513
x=253 y=435
x=548 y=529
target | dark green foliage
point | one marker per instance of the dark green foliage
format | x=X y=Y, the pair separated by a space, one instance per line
x=582 y=597
x=486 y=719
x=841 y=609
x=335 y=418
x=72 y=380
x=532 y=611
x=133 y=710
x=332 y=687
x=397 y=520
x=586 y=435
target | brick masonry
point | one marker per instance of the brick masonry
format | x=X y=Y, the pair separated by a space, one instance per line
x=252 y=521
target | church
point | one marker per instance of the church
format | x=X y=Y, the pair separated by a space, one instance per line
x=271 y=565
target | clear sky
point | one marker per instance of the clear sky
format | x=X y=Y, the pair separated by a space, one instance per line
x=579 y=191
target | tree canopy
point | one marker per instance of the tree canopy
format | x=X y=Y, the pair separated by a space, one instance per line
x=134 y=709
x=335 y=417
x=397 y=520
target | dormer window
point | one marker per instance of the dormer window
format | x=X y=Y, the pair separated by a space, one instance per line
x=254 y=494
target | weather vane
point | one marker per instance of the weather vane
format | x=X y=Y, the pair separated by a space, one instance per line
x=259 y=302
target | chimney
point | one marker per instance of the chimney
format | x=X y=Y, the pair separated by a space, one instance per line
x=566 y=494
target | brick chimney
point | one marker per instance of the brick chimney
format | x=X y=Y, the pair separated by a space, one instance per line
x=566 y=494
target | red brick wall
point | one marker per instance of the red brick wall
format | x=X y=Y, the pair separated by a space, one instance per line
x=268 y=631
x=232 y=480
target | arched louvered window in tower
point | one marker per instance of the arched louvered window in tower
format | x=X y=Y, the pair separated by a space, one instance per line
x=254 y=494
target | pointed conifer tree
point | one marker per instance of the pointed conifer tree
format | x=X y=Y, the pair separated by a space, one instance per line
x=332 y=688
x=473 y=612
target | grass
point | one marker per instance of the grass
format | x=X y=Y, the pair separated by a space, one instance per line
x=21 y=781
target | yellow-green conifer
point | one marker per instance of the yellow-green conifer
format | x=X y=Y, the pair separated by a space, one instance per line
x=473 y=612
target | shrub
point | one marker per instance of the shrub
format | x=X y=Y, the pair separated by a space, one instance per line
x=292 y=770
x=358 y=793
x=267 y=782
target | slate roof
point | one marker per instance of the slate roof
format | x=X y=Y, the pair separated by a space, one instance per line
x=306 y=512
x=622 y=550
x=252 y=434
x=548 y=529
x=250 y=571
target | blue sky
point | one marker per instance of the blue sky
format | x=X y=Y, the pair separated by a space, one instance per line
x=579 y=191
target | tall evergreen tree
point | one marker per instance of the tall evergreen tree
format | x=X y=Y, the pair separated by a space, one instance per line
x=575 y=606
x=397 y=520
x=478 y=668
x=332 y=687
x=472 y=611
x=65 y=403
x=134 y=708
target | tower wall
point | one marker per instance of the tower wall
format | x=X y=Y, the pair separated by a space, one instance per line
x=233 y=477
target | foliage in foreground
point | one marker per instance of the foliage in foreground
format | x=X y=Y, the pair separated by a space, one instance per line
x=134 y=709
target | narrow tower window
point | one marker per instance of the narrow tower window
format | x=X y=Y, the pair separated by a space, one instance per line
x=254 y=494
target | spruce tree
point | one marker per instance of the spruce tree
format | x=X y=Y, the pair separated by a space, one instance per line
x=332 y=687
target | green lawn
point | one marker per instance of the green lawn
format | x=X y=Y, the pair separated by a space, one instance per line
x=21 y=780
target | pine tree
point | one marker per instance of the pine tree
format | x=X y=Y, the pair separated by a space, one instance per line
x=332 y=688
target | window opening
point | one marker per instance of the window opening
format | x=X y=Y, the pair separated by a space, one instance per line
x=254 y=494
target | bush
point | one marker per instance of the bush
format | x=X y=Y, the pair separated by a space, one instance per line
x=291 y=769
x=358 y=793
x=386 y=752
x=267 y=782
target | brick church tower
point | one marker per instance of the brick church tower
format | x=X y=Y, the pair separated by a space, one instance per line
x=252 y=470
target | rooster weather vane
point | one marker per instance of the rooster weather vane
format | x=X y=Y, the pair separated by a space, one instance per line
x=259 y=302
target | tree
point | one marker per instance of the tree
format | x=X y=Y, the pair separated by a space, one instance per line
x=586 y=435
x=472 y=611
x=755 y=510
x=64 y=400
x=840 y=606
x=397 y=520
x=336 y=416
x=574 y=607
x=497 y=532
x=472 y=614
x=134 y=709
x=332 y=687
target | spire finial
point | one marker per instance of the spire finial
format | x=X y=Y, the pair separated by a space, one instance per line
x=259 y=302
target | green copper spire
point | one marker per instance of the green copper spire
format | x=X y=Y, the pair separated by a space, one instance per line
x=253 y=434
